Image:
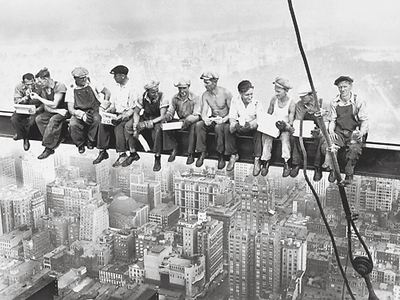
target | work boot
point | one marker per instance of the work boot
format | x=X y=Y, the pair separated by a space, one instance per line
x=81 y=149
x=120 y=159
x=102 y=156
x=295 y=171
x=221 y=161
x=172 y=157
x=265 y=168
x=257 y=166
x=90 y=145
x=130 y=159
x=286 y=169
x=190 y=159
x=157 y=163
x=332 y=176
x=317 y=174
x=231 y=163
x=200 y=160
x=26 y=144
x=15 y=137
x=46 y=153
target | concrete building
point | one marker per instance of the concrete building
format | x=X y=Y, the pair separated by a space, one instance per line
x=94 y=220
x=114 y=274
x=37 y=245
x=37 y=173
x=198 y=191
x=12 y=239
x=145 y=191
x=124 y=246
x=294 y=259
x=137 y=272
x=7 y=171
x=55 y=259
x=165 y=214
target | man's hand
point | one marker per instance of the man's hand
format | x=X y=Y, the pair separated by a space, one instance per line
x=186 y=123
x=208 y=121
x=280 y=125
x=88 y=117
x=233 y=127
x=218 y=120
x=117 y=120
x=34 y=96
x=333 y=136
x=316 y=132
x=357 y=136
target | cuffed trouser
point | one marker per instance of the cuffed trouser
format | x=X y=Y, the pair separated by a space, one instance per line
x=297 y=155
x=80 y=131
x=267 y=145
x=50 y=126
x=170 y=142
x=153 y=136
x=22 y=124
x=225 y=140
x=121 y=139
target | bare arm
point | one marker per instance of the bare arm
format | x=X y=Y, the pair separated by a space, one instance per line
x=292 y=110
x=52 y=104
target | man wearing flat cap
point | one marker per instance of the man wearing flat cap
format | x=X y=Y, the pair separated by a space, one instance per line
x=306 y=110
x=187 y=106
x=123 y=98
x=154 y=105
x=83 y=104
x=348 y=124
x=218 y=100
x=282 y=108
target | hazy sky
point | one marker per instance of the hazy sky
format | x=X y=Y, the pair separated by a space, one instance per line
x=23 y=21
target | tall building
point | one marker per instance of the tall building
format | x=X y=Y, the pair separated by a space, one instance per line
x=145 y=191
x=164 y=177
x=102 y=172
x=242 y=170
x=37 y=245
x=94 y=220
x=124 y=246
x=38 y=173
x=210 y=244
x=7 y=171
x=198 y=191
x=70 y=195
x=12 y=239
x=123 y=177
x=377 y=193
x=294 y=259
x=20 y=206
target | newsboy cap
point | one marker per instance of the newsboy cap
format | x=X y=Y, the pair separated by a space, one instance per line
x=282 y=83
x=79 y=72
x=182 y=82
x=343 y=78
x=151 y=84
x=120 y=69
x=304 y=89
x=209 y=75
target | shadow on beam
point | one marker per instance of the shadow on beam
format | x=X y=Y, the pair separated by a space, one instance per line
x=378 y=159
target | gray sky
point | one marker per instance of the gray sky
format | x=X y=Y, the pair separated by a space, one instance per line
x=24 y=21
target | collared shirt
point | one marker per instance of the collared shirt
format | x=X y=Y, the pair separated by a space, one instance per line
x=184 y=108
x=219 y=102
x=240 y=112
x=96 y=88
x=124 y=97
x=20 y=91
x=359 y=110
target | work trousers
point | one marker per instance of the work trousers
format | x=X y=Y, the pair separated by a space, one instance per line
x=22 y=124
x=121 y=138
x=153 y=136
x=226 y=143
x=297 y=155
x=50 y=126
x=267 y=145
x=170 y=142
x=80 y=131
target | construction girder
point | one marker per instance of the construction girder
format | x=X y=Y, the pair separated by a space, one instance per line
x=378 y=159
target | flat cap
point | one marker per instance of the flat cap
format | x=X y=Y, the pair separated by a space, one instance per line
x=182 y=82
x=304 y=89
x=209 y=75
x=79 y=72
x=343 y=78
x=120 y=69
x=282 y=83
x=151 y=84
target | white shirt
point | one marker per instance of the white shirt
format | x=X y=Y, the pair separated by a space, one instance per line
x=241 y=113
x=124 y=97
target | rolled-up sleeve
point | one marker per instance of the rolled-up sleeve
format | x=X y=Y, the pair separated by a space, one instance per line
x=197 y=106
x=332 y=111
x=164 y=102
x=233 y=110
